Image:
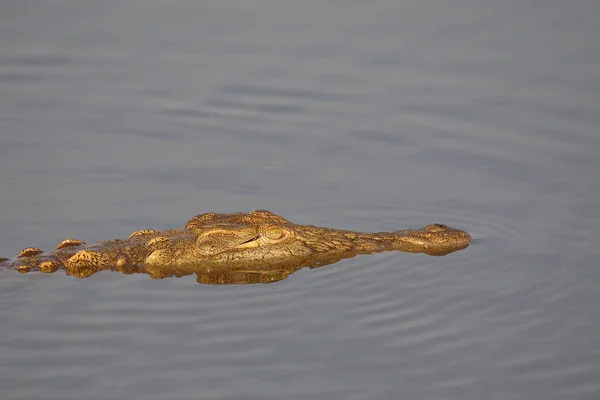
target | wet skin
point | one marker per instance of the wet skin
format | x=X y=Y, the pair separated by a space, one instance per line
x=233 y=248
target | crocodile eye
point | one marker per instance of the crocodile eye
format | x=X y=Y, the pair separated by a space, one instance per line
x=274 y=233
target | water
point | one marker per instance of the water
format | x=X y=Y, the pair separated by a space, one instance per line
x=382 y=115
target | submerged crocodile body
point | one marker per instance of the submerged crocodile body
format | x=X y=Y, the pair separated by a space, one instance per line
x=232 y=248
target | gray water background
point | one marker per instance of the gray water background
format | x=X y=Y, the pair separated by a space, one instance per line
x=382 y=115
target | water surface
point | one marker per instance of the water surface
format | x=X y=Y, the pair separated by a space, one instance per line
x=119 y=116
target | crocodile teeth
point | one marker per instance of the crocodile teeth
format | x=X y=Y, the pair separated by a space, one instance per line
x=69 y=243
x=30 y=251
x=143 y=232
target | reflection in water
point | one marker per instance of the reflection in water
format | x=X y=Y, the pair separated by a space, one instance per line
x=238 y=248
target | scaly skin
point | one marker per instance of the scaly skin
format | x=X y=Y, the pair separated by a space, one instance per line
x=233 y=248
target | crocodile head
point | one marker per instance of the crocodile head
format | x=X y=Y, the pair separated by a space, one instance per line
x=264 y=237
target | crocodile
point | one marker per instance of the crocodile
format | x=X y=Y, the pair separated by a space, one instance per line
x=255 y=247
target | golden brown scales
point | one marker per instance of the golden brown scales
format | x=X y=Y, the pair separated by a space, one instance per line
x=258 y=247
